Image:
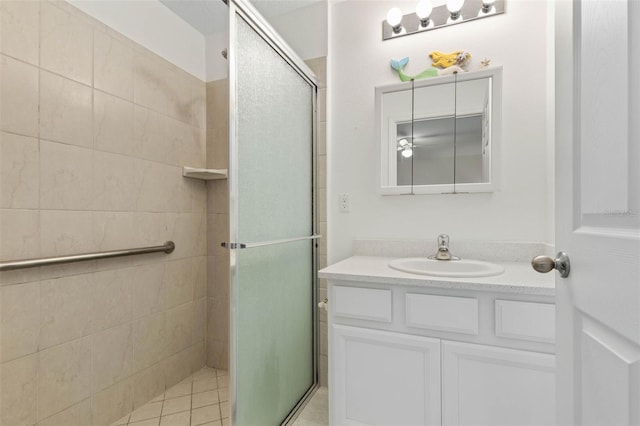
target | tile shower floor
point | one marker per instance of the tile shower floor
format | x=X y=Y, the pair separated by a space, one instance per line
x=201 y=399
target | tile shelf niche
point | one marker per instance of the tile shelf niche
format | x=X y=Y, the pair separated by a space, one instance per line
x=204 y=174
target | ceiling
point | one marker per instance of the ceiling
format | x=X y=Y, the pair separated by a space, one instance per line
x=210 y=16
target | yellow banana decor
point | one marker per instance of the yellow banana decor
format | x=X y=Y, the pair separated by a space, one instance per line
x=446 y=60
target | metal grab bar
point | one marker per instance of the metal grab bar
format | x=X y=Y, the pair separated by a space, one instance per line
x=11 y=265
x=234 y=246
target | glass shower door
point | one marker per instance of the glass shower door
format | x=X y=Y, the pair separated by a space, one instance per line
x=271 y=224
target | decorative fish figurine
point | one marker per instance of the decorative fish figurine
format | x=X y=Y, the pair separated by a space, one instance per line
x=429 y=72
x=446 y=60
x=399 y=67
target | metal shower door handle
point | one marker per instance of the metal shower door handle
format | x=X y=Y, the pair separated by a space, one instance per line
x=234 y=246
x=545 y=264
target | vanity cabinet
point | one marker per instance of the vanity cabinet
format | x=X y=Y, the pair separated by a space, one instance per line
x=413 y=355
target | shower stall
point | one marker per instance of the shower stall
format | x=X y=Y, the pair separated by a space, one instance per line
x=159 y=231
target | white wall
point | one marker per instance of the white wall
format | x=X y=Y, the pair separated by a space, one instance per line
x=304 y=29
x=154 y=26
x=359 y=61
x=217 y=66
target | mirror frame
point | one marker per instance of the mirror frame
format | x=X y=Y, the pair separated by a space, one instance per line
x=385 y=154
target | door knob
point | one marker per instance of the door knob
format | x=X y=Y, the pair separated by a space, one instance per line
x=545 y=264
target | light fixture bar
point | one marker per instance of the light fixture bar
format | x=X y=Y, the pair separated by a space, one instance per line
x=471 y=10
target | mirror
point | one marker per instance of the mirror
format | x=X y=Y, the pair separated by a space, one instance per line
x=440 y=135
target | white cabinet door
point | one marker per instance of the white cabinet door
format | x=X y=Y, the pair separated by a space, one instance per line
x=383 y=378
x=484 y=385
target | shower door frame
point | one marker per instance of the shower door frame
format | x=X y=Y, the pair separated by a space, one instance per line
x=252 y=17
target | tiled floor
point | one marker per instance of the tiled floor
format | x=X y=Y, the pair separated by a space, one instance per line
x=201 y=399
x=316 y=412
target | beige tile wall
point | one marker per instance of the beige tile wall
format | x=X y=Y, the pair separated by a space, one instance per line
x=94 y=131
x=218 y=226
x=218 y=219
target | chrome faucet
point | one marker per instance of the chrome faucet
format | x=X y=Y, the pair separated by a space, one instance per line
x=443 y=249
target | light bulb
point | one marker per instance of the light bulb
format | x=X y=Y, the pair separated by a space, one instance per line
x=424 y=8
x=454 y=7
x=407 y=152
x=394 y=18
x=403 y=143
x=423 y=11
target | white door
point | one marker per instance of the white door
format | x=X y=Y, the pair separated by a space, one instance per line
x=598 y=211
x=384 y=379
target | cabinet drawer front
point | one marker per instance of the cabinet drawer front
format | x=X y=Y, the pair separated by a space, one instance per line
x=526 y=320
x=456 y=314
x=362 y=303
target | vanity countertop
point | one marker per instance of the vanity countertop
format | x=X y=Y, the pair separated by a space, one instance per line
x=518 y=277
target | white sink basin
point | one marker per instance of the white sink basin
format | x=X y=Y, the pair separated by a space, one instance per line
x=462 y=268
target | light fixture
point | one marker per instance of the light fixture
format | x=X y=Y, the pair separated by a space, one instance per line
x=403 y=143
x=394 y=19
x=427 y=17
x=423 y=12
x=405 y=147
x=454 y=7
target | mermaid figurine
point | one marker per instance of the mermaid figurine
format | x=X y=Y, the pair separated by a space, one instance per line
x=446 y=60
x=399 y=67
x=429 y=72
